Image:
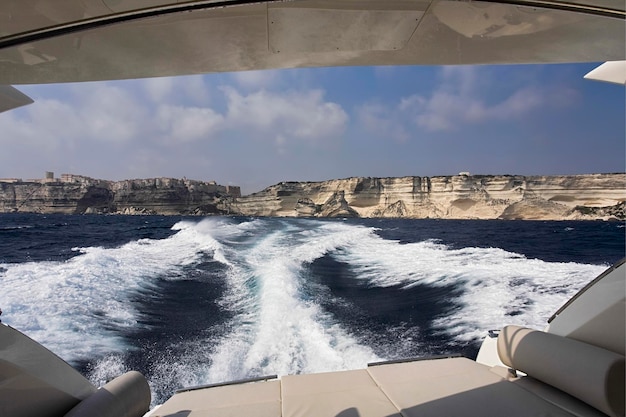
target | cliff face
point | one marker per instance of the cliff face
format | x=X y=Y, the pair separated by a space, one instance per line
x=145 y=196
x=597 y=196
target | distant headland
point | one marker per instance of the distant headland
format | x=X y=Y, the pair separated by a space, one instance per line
x=462 y=196
x=78 y=194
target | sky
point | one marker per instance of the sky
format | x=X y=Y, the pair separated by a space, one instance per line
x=256 y=129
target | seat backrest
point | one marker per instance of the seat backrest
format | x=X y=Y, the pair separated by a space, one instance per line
x=590 y=373
x=128 y=395
x=34 y=381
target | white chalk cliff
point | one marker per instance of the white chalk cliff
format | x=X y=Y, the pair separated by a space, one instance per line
x=575 y=197
x=593 y=196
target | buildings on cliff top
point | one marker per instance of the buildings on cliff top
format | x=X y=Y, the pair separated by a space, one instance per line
x=49 y=178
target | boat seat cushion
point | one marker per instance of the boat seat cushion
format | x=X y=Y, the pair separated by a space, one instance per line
x=128 y=395
x=349 y=393
x=259 y=399
x=423 y=388
x=456 y=387
x=591 y=374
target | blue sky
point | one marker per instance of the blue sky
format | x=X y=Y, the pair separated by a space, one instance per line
x=255 y=129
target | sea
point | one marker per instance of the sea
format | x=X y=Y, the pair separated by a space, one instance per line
x=190 y=301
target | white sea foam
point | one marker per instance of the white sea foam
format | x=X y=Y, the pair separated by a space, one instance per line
x=279 y=330
x=16 y=227
x=497 y=287
x=107 y=368
x=77 y=306
x=275 y=329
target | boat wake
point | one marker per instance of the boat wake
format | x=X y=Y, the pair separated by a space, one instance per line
x=288 y=296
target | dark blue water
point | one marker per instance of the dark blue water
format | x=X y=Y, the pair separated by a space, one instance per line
x=190 y=301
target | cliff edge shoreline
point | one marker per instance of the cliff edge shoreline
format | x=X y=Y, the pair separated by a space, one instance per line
x=464 y=196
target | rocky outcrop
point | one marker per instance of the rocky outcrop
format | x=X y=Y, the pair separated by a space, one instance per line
x=168 y=196
x=594 y=196
x=337 y=206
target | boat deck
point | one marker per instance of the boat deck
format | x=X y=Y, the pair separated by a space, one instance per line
x=437 y=387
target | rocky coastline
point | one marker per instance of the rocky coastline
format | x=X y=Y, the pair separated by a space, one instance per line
x=83 y=195
x=570 y=197
x=464 y=196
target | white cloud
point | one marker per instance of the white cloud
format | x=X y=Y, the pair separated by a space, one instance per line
x=255 y=80
x=103 y=115
x=195 y=90
x=180 y=90
x=188 y=123
x=110 y=113
x=516 y=105
x=290 y=115
x=462 y=98
x=439 y=112
x=48 y=122
x=158 y=89
x=381 y=120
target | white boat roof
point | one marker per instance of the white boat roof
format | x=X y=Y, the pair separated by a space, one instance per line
x=611 y=72
x=46 y=41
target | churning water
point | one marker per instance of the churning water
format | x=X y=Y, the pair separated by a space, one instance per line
x=195 y=301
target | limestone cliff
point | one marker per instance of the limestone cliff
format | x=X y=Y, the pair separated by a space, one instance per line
x=594 y=196
x=142 y=196
x=584 y=197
